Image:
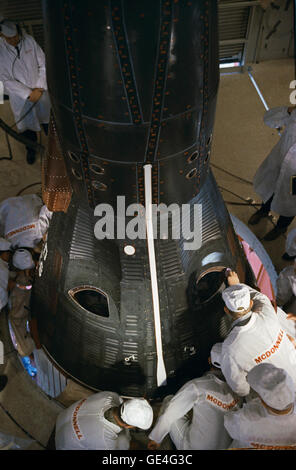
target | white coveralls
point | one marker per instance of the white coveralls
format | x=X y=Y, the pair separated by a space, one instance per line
x=210 y=398
x=261 y=337
x=24 y=220
x=20 y=76
x=83 y=426
x=4 y=276
x=291 y=243
x=286 y=288
x=254 y=427
x=273 y=175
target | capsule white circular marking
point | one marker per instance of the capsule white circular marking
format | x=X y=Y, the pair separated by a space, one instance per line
x=129 y=250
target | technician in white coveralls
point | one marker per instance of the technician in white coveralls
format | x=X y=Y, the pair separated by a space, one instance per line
x=286 y=289
x=286 y=282
x=273 y=179
x=24 y=220
x=267 y=422
x=257 y=335
x=23 y=75
x=290 y=248
x=101 y=422
x=210 y=398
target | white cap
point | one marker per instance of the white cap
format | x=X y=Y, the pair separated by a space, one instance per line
x=273 y=385
x=237 y=298
x=5 y=245
x=291 y=243
x=3 y=297
x=216 y=352
x=22 y=259
x=137 y=412
x=8 y=28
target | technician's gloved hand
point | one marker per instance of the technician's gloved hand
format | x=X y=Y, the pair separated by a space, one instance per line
x=152 y=445
x=35 y=95
x=232 y=277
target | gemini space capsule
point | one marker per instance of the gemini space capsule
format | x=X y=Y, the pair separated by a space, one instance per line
x=133 y=87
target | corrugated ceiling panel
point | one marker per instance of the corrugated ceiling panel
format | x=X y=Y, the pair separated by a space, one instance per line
x=233 y=22
x=28 y=14
x=20 y=10
x=233 y=27
x=231 y=51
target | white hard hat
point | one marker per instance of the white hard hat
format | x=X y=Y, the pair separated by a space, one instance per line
x=216 y=352
x=291 y=243
x=8 y=28
x=5 y=245
x=237 y=298
x=3 y=297
x=22 y=259
x=273 y=385
x=137 y=412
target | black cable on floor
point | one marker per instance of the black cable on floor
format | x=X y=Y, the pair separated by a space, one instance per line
x=9 y=149
x=236 y=195
x=21 y=427
x=245 y=200
x=27 y=187
x=243 y=203
x=20 y=138
x=231 y=174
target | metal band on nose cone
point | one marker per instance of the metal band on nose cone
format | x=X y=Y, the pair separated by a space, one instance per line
x=161 y=372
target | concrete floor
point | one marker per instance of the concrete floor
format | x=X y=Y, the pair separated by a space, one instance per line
x=241 y=142
x=16 y=174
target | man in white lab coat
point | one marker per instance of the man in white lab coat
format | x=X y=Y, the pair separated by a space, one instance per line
x=24 y=220
x=257 y=335
x=23 y=75
x=267 y=422
x=101 y=422
x=273 y=180
x=209 y=398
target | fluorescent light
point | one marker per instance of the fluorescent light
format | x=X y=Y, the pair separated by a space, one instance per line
x=229 y=64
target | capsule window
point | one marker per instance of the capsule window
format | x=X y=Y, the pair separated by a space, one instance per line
x=97 y=185
x=77 y=174
x=192 y=157
x=91 y=299
x=209 y=140
x=191 y=174
x=209 y=283
x=97 y=169
x=73 y=157
x=207 y=157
